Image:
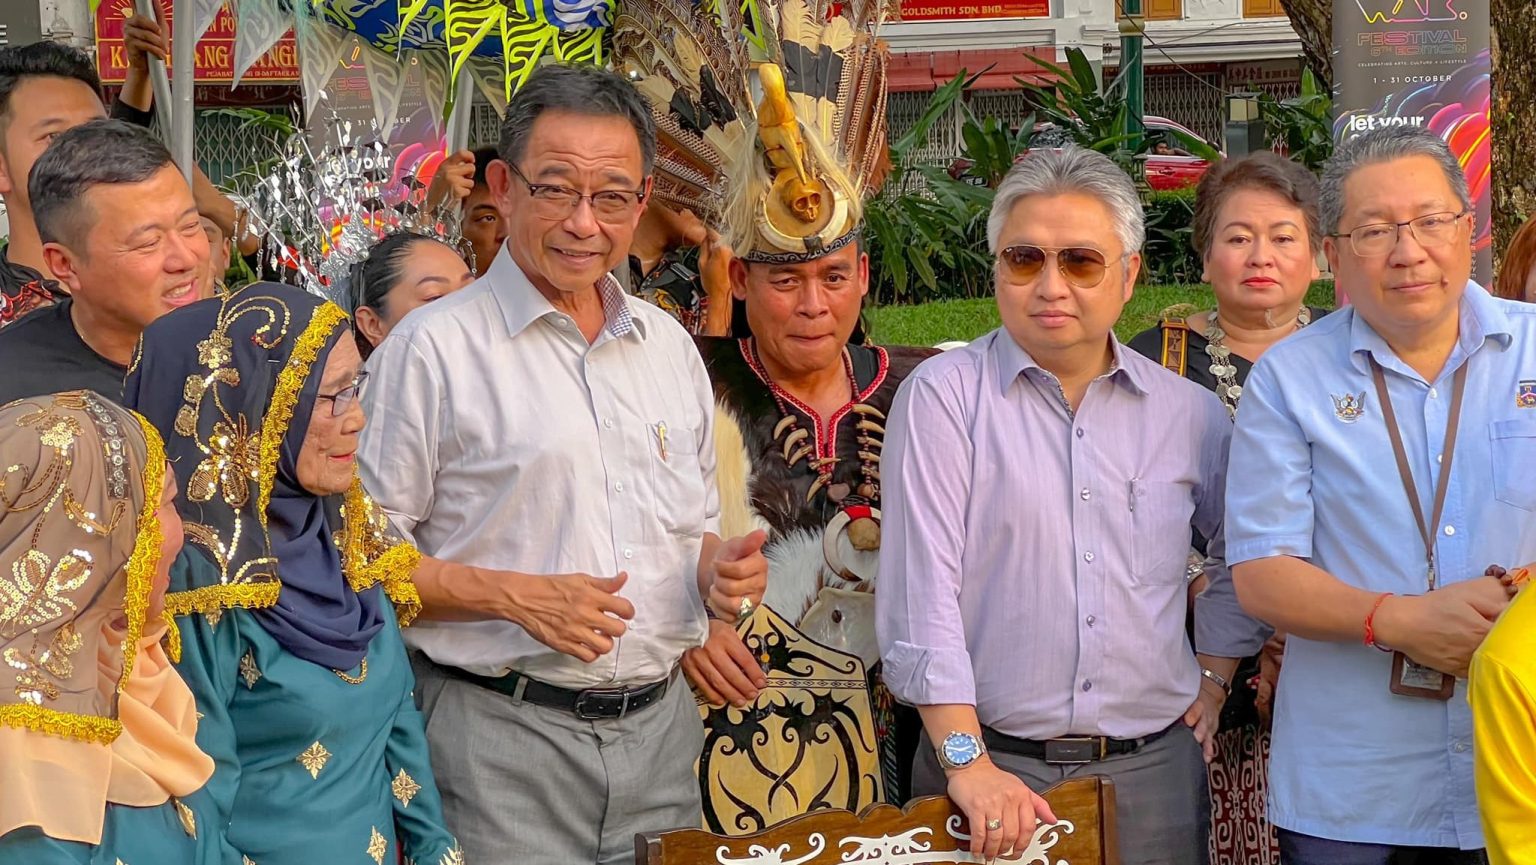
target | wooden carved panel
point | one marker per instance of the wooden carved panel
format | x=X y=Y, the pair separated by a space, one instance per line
x=928 y=831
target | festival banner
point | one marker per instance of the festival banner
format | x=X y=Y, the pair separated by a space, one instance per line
x=1423 y=63
x=962 y=10
x=215 y=57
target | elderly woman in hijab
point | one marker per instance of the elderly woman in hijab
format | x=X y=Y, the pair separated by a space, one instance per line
x=290 y=598
x=98 y=759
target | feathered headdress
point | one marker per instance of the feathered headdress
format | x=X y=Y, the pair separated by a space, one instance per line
x=770 y=116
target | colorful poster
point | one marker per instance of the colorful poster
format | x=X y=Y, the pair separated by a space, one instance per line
x=1421 y=63
x=960 y=10
x=216 y=54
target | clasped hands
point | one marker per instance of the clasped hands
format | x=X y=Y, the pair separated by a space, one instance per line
x=581 y=615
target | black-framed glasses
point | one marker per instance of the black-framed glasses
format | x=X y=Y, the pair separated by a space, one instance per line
x=555 y=202
x=1380 y=238
x=1081 y=266
x=342 y=400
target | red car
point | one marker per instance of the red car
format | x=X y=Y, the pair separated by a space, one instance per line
x=1169 y=165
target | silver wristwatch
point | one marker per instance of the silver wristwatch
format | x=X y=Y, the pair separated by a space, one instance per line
x=959 y=750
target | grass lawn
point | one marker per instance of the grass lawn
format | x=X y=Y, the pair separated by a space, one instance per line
x=936 y=322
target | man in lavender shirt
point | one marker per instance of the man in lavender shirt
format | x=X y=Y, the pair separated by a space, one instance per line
x=1040 y=487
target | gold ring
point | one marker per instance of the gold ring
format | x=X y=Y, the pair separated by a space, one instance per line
x=994 y=824
x=745 y=609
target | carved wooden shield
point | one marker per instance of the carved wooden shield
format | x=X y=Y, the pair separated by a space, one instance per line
x=807 y=743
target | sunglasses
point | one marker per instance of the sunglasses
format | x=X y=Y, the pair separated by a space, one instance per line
x=1080 y=266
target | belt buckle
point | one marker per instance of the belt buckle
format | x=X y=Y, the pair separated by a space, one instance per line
x=600 y=697
x=1074 y=750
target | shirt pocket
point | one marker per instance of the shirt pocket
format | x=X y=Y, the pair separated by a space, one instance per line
x=1513 y=446
x=1160 y=514
x=677 y=479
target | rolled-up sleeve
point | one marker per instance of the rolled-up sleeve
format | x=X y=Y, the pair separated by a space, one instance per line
x=1222 y=628
x=398 y=452
x=1269 y=490
x=926 y=471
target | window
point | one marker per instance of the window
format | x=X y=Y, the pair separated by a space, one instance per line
x=1263 y=8
x=1158 y=10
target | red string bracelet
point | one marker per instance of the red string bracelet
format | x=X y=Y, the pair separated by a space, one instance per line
x=1370 y=620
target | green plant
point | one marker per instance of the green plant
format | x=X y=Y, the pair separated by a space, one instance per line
x=928 y=239
x=1169 y=255
x=279 y=126
x=1302 y=123
x=1093 y=118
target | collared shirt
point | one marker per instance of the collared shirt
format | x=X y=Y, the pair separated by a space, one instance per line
x=1503 y=693
x=1316 y=479
x=499 y=438
x=1033 y=562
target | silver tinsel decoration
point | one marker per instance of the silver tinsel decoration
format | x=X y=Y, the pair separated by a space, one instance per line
x=299 y=205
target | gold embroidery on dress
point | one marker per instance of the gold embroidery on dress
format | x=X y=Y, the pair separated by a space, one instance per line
x=38 y=672
x=188 y=819
x=248 y=670
x=314 y=759
x=453 y=857
x=231 y=464
x=38 y=590
x=372 y=554
x=405 y=788
x=377 y=846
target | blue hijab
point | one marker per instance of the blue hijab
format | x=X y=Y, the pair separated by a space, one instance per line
x=230 y=383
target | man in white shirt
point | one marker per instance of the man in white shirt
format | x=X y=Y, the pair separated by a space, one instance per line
x=542 y=423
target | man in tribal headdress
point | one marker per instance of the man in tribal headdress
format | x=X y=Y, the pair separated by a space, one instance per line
x=801 y=399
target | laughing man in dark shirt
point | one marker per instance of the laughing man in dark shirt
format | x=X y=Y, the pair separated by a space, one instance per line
x=120 y=229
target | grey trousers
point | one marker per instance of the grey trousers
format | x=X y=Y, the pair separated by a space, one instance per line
x=527 y=785
x=1162 y=798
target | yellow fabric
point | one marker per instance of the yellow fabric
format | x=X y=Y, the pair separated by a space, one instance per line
x=1503 y=695
x=157 y=756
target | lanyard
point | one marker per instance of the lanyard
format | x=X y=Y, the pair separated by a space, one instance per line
x=1405 y=472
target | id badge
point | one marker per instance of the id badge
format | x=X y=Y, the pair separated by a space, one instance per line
x=1414 y=680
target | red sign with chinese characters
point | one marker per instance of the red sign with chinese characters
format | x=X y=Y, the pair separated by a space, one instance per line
x=215 y=61
x=960 y=10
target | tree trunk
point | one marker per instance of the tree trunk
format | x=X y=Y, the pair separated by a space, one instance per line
x=1514 y=118
x=1313 y=22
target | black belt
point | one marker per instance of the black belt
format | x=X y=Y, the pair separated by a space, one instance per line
x=591 y=704
x=1069 y=750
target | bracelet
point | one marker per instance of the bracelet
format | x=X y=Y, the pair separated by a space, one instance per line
x=1370 y=623
x=1220 y=682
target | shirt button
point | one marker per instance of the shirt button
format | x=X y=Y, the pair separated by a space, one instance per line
x=1079 y=433
x=618 y=487
x=1434 y=394
x=607 y=423
x=629 y=554
x=1087 y=686
x=1439 y=458
x=1090 y=620
x=1085 y=495
x=1450 y=530
x=1088 y=557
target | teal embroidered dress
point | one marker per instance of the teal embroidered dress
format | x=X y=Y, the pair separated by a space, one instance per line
x=288 y=604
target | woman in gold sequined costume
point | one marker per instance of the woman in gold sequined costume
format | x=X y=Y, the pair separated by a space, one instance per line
x=98 y=762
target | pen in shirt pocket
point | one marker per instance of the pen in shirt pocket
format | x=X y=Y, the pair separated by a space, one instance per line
x=660 y=428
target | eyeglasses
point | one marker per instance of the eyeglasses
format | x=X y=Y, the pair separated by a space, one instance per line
x=1081 y=266
x=342 y=400
x=554 y=202
x=1380 y=238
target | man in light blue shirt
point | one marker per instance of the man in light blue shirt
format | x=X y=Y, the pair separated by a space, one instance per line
x=1372 y=759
